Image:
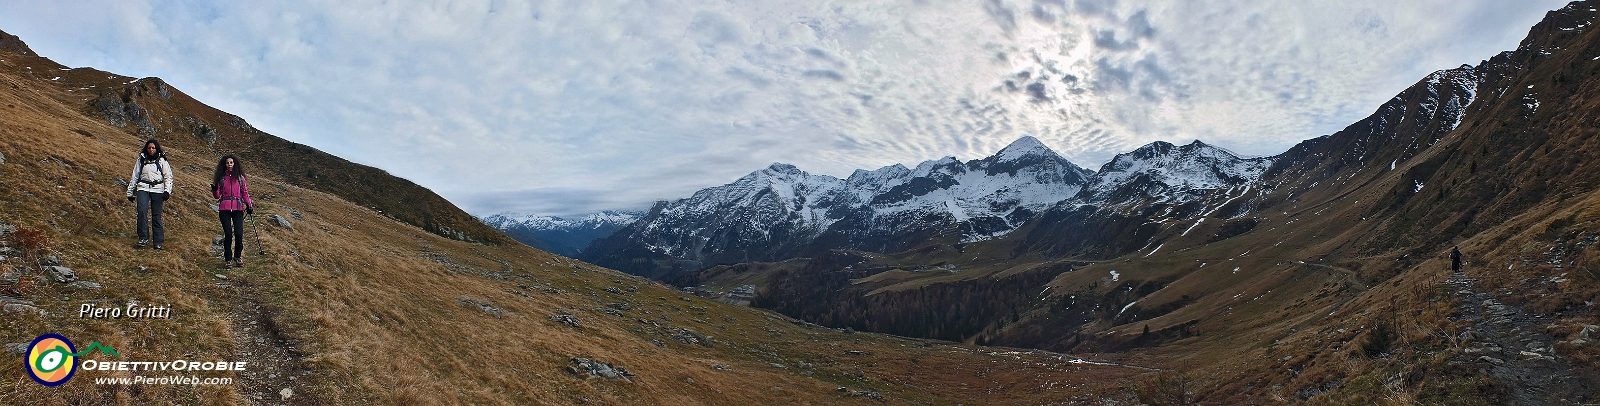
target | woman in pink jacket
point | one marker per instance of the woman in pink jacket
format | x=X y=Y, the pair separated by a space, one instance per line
x=233 y=201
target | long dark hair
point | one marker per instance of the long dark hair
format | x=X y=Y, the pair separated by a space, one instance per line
x=159 y=151
x=222 y=168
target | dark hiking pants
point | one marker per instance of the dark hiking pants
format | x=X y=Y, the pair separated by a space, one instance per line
x=232 y=233
x=149 y=207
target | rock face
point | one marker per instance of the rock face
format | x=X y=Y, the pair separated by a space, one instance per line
x=122 y=110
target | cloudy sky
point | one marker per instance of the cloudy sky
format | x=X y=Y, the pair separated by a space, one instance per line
x=570 y=107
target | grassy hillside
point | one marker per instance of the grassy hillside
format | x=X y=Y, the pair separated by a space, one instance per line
x=149 y=107
x=350 y=306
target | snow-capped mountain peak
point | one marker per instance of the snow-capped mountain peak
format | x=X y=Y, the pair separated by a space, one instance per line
x=878 y=179
x=1170 y=172
x=783 y=169
x=947 y=165
x=541 y=222
x=1024 y=147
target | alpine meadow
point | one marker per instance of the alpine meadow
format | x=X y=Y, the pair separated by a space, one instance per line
x=1178 y=272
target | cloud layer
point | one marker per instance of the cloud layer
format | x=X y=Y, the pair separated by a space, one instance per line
x=572 y=107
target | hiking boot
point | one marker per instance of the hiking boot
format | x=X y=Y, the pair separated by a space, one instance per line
x=141 y=244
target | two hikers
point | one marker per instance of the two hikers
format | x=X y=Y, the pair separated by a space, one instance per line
x=151 y=185
x=233 y=202
x=148 y=188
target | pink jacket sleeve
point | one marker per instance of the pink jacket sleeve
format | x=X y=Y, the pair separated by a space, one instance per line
x=244 y=192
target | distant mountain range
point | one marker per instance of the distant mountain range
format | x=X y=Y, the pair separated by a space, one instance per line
x=559 y=235
x=783 y=212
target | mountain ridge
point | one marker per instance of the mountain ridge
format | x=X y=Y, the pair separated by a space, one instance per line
x=561 y=236
x=895 y=208
x=782 y=211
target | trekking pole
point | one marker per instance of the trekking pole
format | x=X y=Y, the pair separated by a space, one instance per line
x=257 y=231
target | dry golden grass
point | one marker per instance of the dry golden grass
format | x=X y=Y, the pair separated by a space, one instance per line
x=351 y=307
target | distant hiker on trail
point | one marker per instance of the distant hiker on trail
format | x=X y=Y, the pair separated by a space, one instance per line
x=233 y=201
x=149 y=187
x=1455 y=259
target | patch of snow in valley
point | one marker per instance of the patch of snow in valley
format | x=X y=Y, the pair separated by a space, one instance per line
x=1196 y=224
x=1153 y=252
x=1125 y=308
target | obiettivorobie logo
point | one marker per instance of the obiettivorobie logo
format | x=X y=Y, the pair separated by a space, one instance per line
x=50 y=358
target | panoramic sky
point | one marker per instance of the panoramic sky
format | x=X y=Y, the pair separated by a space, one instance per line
x=570 y=107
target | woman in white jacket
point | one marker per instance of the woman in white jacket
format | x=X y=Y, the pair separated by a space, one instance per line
x=148 y=188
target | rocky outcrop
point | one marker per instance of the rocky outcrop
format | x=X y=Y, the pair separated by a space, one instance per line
x=279 y=221
x=121 y=110
x=585 y=367
x=11 y=43
x=481 y=305
x=60 y=274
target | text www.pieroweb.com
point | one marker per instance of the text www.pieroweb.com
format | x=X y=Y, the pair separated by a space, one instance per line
x=164 y=380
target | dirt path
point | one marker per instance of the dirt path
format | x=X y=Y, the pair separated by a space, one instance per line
x=274 y=365
x=1505 y=344
x=1350 y=275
